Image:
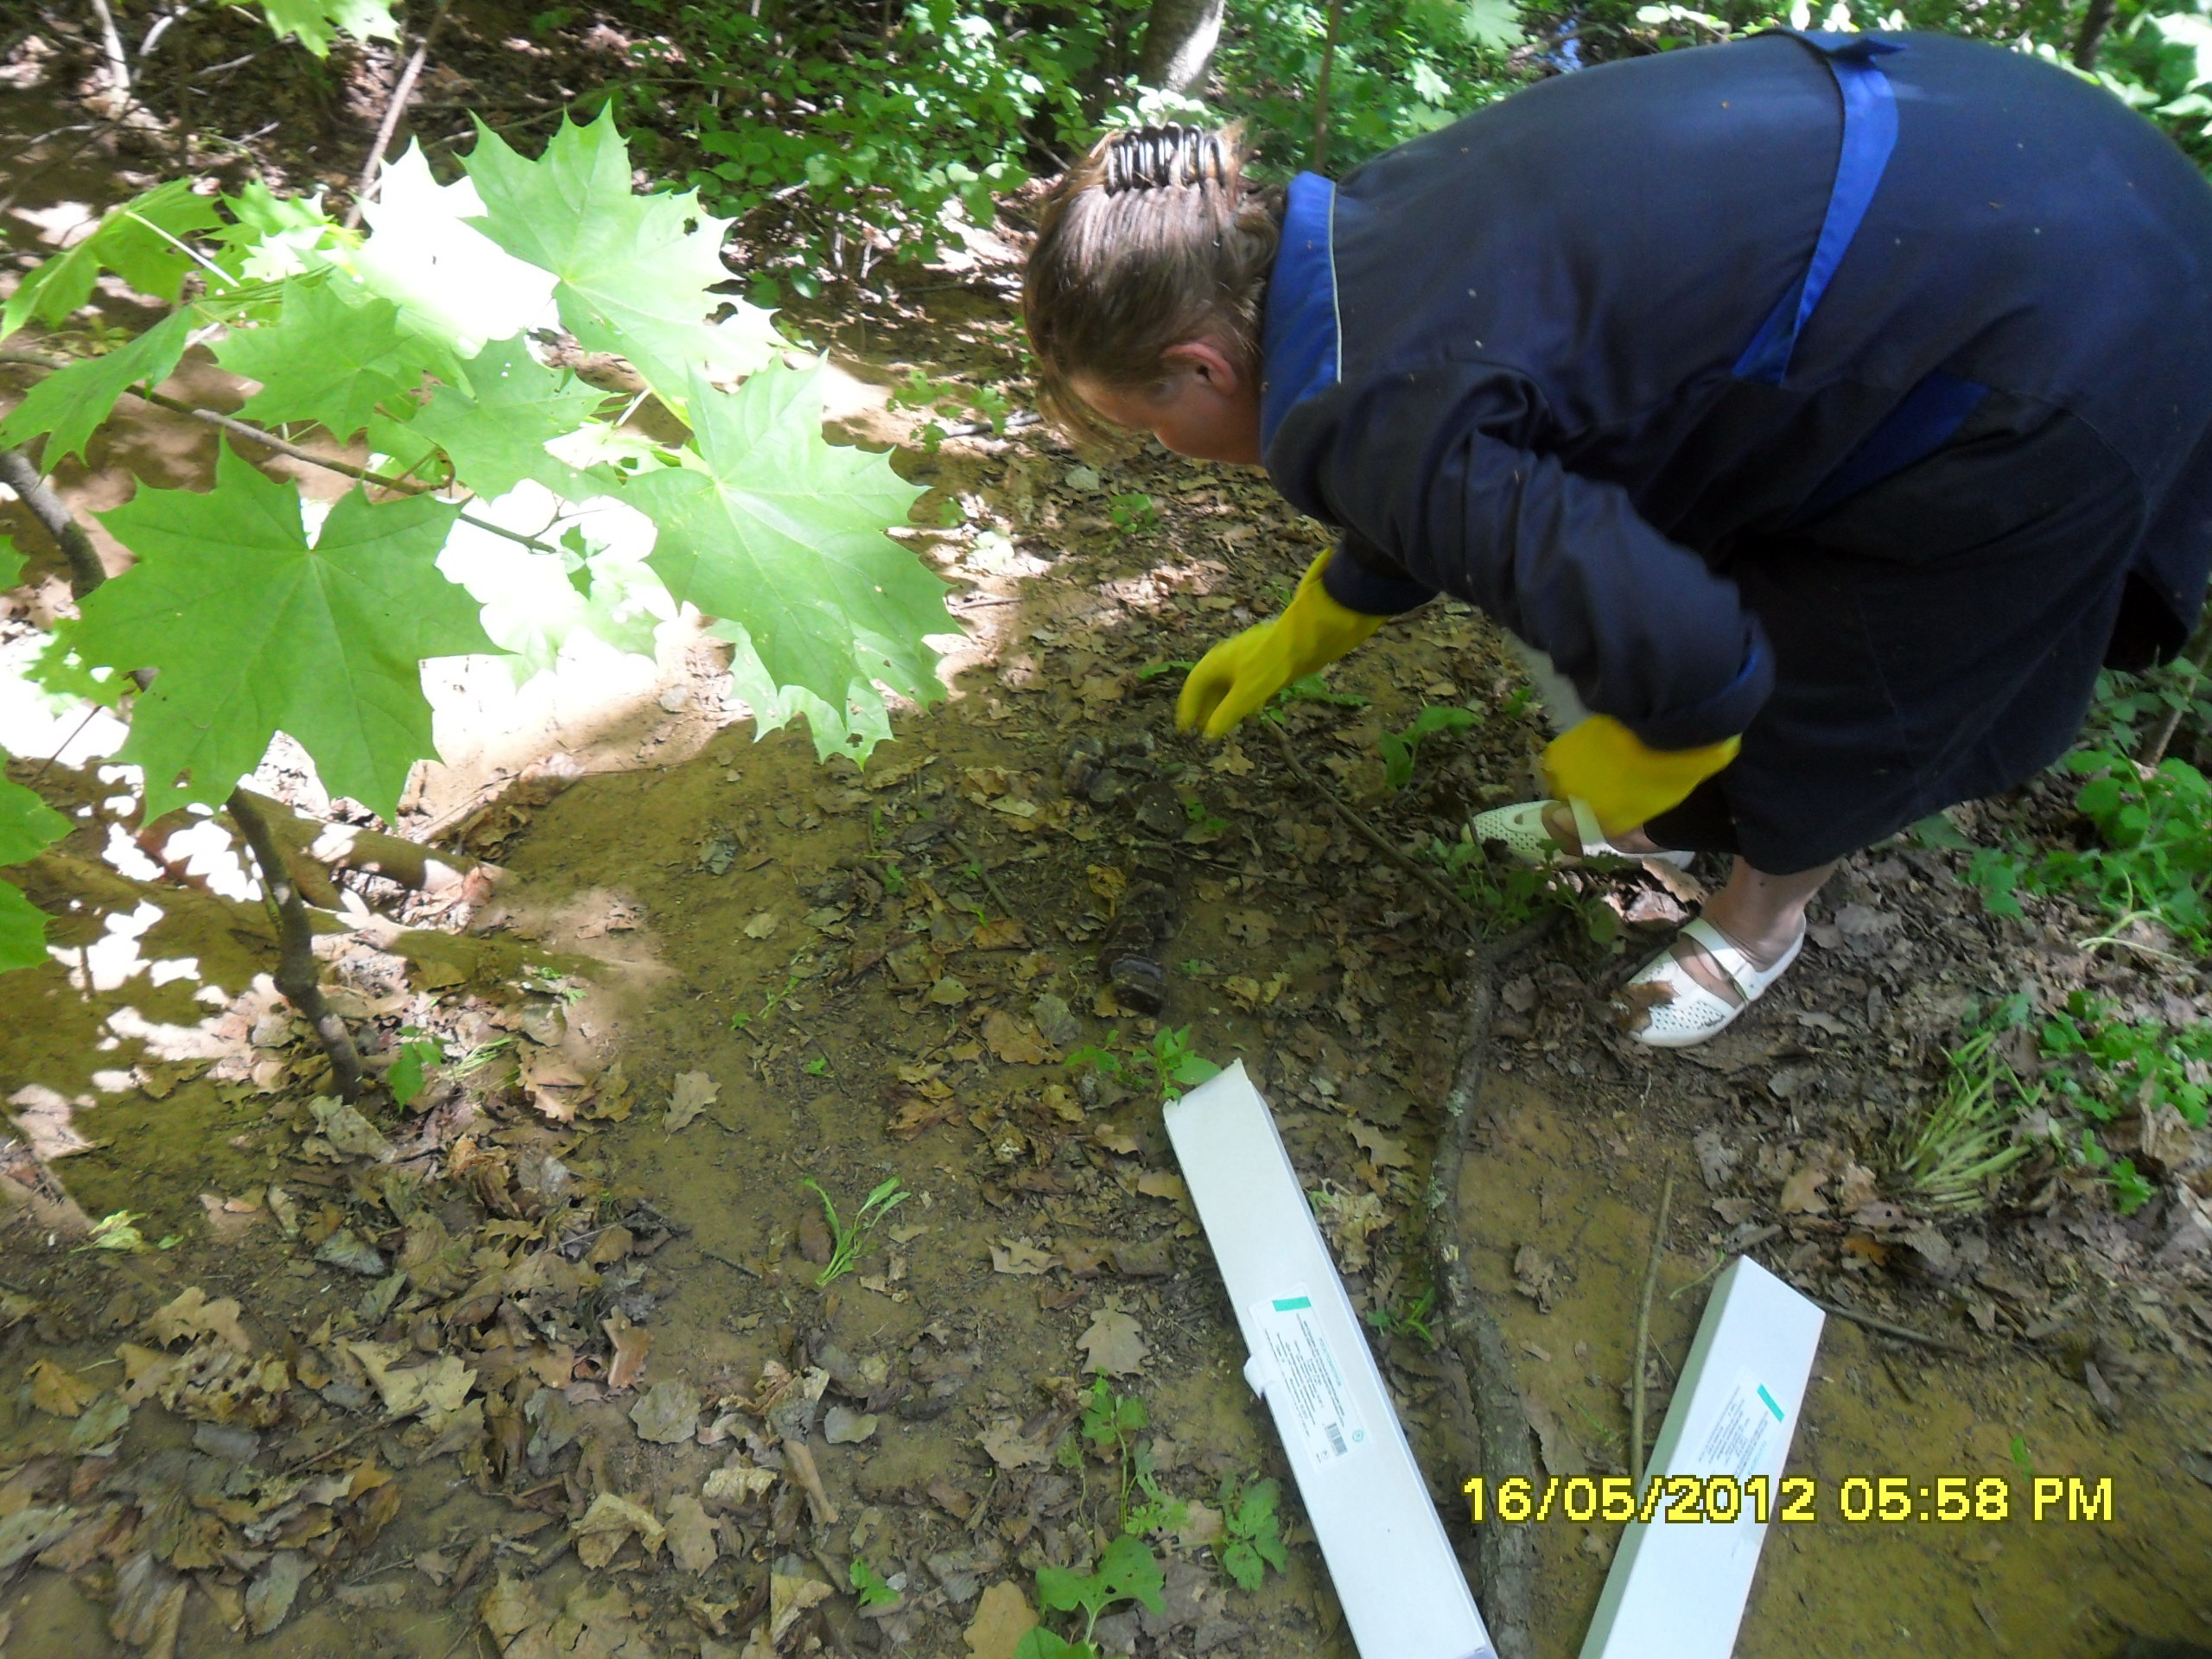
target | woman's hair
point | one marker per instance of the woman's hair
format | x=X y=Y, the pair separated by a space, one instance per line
x=1153 y=238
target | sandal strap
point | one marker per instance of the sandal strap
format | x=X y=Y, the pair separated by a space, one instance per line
x=1590 y=837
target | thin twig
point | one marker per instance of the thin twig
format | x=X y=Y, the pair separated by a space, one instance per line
x=1375 y=836
x=1903 y=1334
x=1643 y=1332
x=990 y=882
x=85 y=572
x=402 y=91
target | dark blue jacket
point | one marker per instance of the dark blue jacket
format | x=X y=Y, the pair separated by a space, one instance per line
x=1583 y=356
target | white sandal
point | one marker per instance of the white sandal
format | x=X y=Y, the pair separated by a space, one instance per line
x=1686 y=1014
x=1521 y=827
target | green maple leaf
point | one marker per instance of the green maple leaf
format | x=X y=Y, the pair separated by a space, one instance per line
x=331 y=360
x=426 y=254
x=783 y=534
x=313 y=23
x=23 y=930
x=255 y=631
x=275 y=237
x=28 y=827
x=634 y=272
x=495 y=433
x=1493 y=24
x=69 y=403
x=11 y=561
x=137 y=241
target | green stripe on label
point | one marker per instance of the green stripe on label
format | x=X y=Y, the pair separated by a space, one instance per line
x=1292 y=1304
x=1771 y=1406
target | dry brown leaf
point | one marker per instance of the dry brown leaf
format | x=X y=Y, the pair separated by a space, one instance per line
x=1386 y=1151
x=1005 y=934
x=1020 y=1257
x=1114 y=1345
x=1159 y=1184
x=192 y=1315
x=610 y=1519
x=632 y=1344
x=694 y=1092
x=1015 y=1041
x=691 y=1535
x=1801 y=1193
x=57 y=1392
x=1003 y=1618
x=1009 y=1449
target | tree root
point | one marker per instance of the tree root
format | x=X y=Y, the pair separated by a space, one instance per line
x=1505 y=1555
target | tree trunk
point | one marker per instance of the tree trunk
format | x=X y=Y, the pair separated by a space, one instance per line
x=2088 y=43
x=1179 y=37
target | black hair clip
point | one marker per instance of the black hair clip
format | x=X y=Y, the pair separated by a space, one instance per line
x=1152 y=158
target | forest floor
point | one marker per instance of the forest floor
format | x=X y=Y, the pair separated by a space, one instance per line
x=542 y=1365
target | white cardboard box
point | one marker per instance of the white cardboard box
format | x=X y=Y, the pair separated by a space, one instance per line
x=1677 y=1589
x=1403 y=1594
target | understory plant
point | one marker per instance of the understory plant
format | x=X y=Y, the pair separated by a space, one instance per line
x=2152 y=859
x=509 y=507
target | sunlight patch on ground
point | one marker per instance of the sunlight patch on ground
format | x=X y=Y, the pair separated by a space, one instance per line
x=210 y=853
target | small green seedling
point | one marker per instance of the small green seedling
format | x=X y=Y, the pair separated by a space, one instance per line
x=1174 y=1062
x=1132 y=512
x=741 y=1021
x=1153 y=671
x=1128 y=1571
x=1202 y=821
x=1407 y=1318
x=873 y=1592
x=1400 y=747
x=1160 y=1511
x=415 y=1051
x=818 y=1066
x=1099 y=1056
x=1312 y=688
x=845 y=1249
x=1253 y=1542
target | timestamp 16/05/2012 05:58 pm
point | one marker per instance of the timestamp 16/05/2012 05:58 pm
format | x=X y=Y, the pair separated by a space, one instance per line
x=1723 y=1499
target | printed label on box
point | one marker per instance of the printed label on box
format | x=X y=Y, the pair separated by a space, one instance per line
x=1749 y=1422
x=1307 y=1378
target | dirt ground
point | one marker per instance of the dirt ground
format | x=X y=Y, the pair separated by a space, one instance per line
x=541 y=1364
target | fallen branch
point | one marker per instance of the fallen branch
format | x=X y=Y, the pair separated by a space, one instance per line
x=1643 y=1333
x=1506 y=1555
x=1375 y=837
x=1903 y=1334
x=402 y=91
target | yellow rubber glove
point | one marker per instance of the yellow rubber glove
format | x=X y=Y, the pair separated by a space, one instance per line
x=1602 y=762
x=1238 y=676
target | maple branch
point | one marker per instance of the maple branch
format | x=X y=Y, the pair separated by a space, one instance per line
x=85 y=571
x=269 y=439
x=298 y=977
